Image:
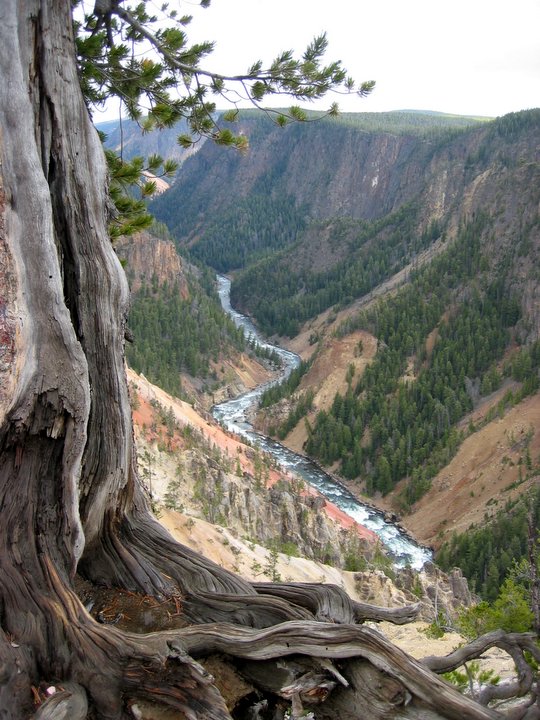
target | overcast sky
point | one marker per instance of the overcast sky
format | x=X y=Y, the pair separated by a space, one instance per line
x=473 y=57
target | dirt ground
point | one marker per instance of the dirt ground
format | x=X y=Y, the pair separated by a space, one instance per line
x=482 y=477
x=328 y=376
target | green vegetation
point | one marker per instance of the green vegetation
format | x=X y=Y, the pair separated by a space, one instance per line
x=428 y=125
x=255 y=227
x=510 y=611
x=285 y=388
x=487 y=554
x=391 y=426
x=472 y=677
x=173 y=334
x=125 y=175
x=301 y=407
x=396 y=122
x=508 y=129
x=281 y=297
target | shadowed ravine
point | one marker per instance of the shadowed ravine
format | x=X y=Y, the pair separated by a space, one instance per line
x=233 y=415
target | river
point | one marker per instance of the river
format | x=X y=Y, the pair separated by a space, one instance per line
x=233 y=416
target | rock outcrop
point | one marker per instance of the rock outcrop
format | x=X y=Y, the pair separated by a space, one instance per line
x=150 y=259
x=441 y=595
x=230 y=502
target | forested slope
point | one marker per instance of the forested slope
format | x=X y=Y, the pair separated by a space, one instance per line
x=323 y=212
x=176 y=324
x=444 y=214
x=293 y=175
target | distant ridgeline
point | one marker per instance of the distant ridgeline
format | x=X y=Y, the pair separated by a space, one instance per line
x=317 y=215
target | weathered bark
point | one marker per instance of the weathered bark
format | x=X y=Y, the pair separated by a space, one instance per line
x=67 y=479
x=414 y=680
x=515 y=644
x=70 y=499
x=330 y=602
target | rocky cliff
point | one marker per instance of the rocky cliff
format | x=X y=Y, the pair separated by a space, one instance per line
x=345 y=169
x=189 y=463
x=328 y=193
x=227 y=500
x=332 y=168
x=148 y=258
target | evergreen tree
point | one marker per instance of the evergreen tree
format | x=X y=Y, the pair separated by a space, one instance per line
x=71 y=503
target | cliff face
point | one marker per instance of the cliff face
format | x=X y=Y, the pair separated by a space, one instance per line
x=284 y=515
x=328 y=169
x=189 y=463
x=333 y=169
x=371 y=174
x=226 y=500
x=313 y=190
x=148 y=258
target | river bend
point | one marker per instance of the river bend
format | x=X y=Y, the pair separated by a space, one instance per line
x=232 y=414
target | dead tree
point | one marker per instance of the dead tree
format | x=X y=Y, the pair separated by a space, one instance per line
x=70 y=499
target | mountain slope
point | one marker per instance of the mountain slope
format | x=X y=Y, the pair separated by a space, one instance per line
x=346 y=205
x=180 y=336
x=492 y=169
x=426 y=242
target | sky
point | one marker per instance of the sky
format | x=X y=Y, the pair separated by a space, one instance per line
x=468 y=57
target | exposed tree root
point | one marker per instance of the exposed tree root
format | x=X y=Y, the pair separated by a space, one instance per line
x=330 y=602
x=515 y=644
x=323 y=640
x=115 y=667
x=140 y=555
x=268 y=622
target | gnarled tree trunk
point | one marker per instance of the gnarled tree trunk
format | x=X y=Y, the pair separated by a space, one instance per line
x=70 y=500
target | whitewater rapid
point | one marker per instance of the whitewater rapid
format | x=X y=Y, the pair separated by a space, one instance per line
x=233 y=414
